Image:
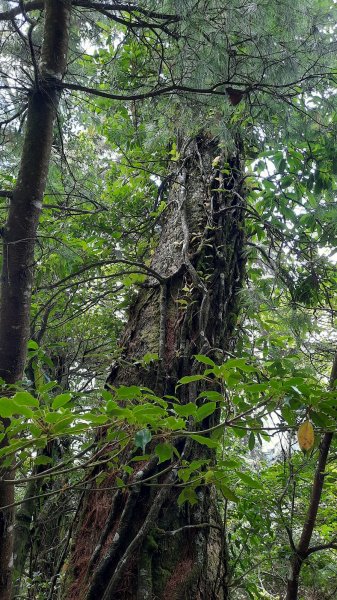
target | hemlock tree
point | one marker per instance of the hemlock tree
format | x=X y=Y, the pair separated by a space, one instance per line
x=233 y=57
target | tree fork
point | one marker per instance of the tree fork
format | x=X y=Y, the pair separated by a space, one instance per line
x=19 y=237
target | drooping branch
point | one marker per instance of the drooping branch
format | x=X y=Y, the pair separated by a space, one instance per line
x=103 y=7
x=169 y=89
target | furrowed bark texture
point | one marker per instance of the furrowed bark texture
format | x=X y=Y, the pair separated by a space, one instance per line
x=20 y=234
x=302 y=550
x=140 y=544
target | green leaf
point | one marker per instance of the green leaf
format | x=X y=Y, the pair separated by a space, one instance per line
x=205 y=411
x=288 y=414
x=61 y=400
x=227 y=492
x=204 y=359
x=188 y=495
x=148 y=410
x=255 y=387
x=7 y=407
x=34 y=429
x=25 y=411
x=53 y=417
x=107 y=396
x=142 y=438
x=239 y=363
x=253 y=483
x=46 y=387
x=240 y=433
x=123 y=413
x=251 y=441
x=164 y=451
x=205 y=441
x=25 y=399
x=149 y=357
x=212 y=395
x=175 y=423
x=111 y=405
x=128 y=392
x=185 y=410
x=62 y=425
x=32 y=345
x=43 y=460
x=190 y=379
x=94 y=418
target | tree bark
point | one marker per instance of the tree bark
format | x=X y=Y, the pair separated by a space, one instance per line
x=19 y=237
x=142 y=545
x=302 y=550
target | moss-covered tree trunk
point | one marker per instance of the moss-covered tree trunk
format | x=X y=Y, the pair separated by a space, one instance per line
x=19 y=238
x=141 y=545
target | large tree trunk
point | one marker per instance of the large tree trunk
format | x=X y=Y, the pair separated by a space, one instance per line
x=127 y=545
x=20 y=234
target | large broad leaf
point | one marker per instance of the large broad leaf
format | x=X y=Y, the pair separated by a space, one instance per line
x=190 y=379
x=8 y=408
x=61 y=400
x=188 y=495
x=25 y=399
x=239 y=363
x=148 y=410
x=227 y=492
x=205 y=360
x=185 y=410
x=128 y=392
x=32 y=345
x=62 y=426
x=252 y=483
x=211 y=395
x=142 y=438
x=205 y=441
x=205 y=411
x=164 y=452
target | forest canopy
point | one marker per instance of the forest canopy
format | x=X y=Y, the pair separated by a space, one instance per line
x=168 y=353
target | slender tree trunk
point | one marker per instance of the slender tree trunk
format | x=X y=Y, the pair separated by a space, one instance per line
x=30 y=515
x=20 y=234
x=142 y=545
x=35 y=530
x=302 y=550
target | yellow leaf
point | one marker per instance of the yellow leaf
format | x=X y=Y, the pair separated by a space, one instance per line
x=306 y=436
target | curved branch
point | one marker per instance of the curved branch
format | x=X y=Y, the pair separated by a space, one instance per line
x=100 y=6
